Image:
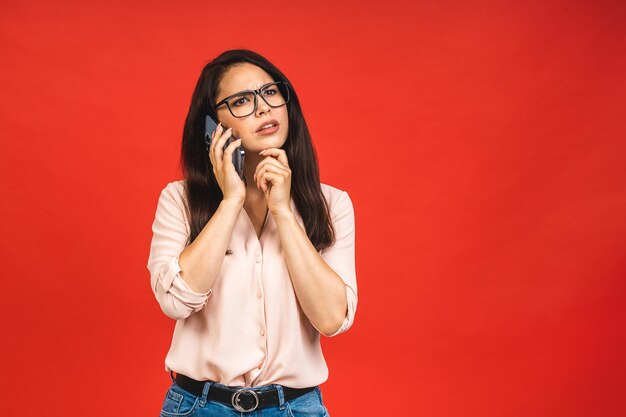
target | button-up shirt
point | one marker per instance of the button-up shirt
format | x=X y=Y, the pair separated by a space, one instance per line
x=248 y=329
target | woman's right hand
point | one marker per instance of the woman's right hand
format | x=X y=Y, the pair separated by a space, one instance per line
x=222 y=160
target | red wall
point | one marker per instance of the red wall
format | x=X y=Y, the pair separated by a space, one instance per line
x=482 y=144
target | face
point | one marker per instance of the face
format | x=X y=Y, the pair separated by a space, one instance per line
x=250 y=77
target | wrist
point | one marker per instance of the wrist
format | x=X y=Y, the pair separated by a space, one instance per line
x=232 y=203
x=285 y=214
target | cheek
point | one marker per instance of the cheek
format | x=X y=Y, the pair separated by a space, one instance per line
x=238 y=128
x=284 y=120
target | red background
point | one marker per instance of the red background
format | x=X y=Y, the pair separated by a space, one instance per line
x=482 y=144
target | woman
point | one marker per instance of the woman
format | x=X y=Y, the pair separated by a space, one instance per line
x=253 y=268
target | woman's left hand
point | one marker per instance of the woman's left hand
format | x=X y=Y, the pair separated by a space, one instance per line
x=273 y=177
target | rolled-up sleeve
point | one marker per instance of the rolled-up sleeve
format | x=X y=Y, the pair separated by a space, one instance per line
x=170 y=233
x=341 y=256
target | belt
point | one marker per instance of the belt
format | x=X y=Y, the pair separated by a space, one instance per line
x=242 y=399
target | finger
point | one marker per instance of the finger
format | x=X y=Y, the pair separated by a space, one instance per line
x=270 y=169
x=211 y=159
x=271 y=178
x=210 y=153
x=221 y=136
x=228 y=153
x=215 y=132
x=218 y=150
x=271 y=161
x=277 y=153
x=219 y=130
x=214 y=161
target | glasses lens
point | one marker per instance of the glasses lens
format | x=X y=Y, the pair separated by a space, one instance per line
x=276 y=94
x=242 y=104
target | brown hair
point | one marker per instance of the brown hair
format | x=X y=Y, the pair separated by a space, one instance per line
x=203 y=194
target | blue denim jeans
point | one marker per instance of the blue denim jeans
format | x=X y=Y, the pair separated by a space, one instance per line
x=181 y=403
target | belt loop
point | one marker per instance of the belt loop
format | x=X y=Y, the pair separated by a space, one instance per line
x=281 y=397
x=205 y=393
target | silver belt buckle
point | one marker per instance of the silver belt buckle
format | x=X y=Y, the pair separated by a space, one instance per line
x=235 y=400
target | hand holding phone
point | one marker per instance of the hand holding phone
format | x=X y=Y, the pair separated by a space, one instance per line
x=231 y=181
x=238 y=155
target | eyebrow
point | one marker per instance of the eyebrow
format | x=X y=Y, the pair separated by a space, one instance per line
x=246 y=90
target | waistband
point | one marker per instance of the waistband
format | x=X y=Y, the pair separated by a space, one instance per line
x=242 y=399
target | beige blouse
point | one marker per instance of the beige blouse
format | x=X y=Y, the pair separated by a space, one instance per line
x=249 y=329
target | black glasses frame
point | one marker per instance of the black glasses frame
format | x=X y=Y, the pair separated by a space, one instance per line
x=256 y=93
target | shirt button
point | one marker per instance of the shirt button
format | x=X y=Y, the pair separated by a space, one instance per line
x=258 y=295
x=262 y=332
x=260 y=366
x=259 y=260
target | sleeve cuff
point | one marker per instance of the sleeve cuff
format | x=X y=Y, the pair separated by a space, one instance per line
x=347 y=322
x=172 y=282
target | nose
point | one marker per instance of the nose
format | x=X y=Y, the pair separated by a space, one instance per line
x=262 y=107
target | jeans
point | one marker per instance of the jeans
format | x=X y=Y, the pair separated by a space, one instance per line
x=181 y=403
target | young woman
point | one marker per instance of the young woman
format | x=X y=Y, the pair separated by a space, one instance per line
x=252 y=269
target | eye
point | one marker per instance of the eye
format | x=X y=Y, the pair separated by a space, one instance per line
x=270 y=91
x=239 y=101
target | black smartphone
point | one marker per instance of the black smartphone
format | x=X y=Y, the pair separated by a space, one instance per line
x=238 y=155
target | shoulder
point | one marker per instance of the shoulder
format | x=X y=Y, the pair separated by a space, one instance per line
x=331 y=192
x=171 y=205
x=175 y=186
x=338 y=200
x=174 y=191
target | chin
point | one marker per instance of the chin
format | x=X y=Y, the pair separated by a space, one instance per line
x=264 y=142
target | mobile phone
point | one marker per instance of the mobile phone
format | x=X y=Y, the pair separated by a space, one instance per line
x=238 y=155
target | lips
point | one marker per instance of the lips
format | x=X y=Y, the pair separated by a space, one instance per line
x=267 y=122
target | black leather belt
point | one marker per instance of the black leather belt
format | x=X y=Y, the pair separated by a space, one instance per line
x=241 y=399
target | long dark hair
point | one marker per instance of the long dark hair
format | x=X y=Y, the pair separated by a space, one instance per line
x=203 y=194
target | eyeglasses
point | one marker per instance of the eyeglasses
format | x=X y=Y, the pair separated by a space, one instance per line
x=244 y=103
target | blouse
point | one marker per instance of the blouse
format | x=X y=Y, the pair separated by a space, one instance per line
x=248 y=329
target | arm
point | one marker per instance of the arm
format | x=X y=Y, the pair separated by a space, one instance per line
x=325 y=285
x=202 y=260
x=181 y=277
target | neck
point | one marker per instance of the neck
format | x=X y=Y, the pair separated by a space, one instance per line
x=249 y=166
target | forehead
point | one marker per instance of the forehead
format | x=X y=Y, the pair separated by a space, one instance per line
x=242 y=77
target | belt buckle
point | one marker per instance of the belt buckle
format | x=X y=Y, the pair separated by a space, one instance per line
x=235 y=400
